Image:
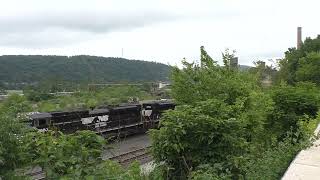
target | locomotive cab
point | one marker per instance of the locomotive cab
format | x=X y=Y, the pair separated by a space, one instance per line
x=41 y=120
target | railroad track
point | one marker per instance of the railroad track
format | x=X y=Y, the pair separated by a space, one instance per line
x=142 y=155
x=38 y=175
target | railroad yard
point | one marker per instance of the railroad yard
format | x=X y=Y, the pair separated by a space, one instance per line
x=124 y=151
x=132 y=144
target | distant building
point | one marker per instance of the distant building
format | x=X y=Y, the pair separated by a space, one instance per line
x=266 y=81
x=163 y=84
x=3 y=97
x=234 y=63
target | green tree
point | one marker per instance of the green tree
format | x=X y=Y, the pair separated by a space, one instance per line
x=210 y=132
x=309 y=68
x=12 y=130
x=56 y=70
x=75 y=156
x=227 y=57
x=15 y=104
x=291 y=63
x=36 y=96
x=60 y=155
x=225 y=121
x=196 y=83
x=291 y=105
x=221 y=112
x=10 y=145
x=264 y=73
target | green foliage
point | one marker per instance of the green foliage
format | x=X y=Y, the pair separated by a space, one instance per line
x=12 y=131
x=110 y=95
x=291 y=105
x=227 y=57
x=159 y=172
x=211 y=172
x=264 y=72
x=224 y=111
x=112 y=170
x=224 y=127
x=208 y=132
x=60 y=154
x=301 y=64
x=225 y=124
x=37 y=96
x=15 y=104
x=272 y=162
x=196 y=83
x=31 y=69
x=10 y=153
x=76 y=156
x=309 y=67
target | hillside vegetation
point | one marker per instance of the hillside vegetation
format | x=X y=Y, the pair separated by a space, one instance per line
x=30 y=69
x=226 y=126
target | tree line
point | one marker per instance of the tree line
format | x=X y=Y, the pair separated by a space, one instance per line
x=227 y=125
x=30 y=69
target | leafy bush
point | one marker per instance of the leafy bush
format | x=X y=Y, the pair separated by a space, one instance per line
x=32 y=69
x=12 y=131
x=15 y=104
x=222 y=113
x=309 y=68
x=211 y=172
x=76 y=156
x=207 y=132
x=226 y=127
x=10 y=153
x=301 y=64
x=112 y=170
x=274 y=161
x=196 y=83
x=90 y=99
x=60 y=154
x=292 y=103
x=36 y=96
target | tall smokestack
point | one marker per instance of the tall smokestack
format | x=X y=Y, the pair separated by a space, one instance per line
x=299 y=38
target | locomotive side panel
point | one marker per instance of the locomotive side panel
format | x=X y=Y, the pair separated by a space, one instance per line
x=120 y=120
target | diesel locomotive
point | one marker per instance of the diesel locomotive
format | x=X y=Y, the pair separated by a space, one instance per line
x=107 y=121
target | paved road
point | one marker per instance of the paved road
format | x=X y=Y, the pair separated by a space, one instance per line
x=306 y=165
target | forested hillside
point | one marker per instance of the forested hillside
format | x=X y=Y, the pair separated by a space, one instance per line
x=226 y=125
x=29 y=69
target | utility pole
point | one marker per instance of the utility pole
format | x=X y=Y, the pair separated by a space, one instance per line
x=122 y=52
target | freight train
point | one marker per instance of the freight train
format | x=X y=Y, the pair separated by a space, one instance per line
x=107 y=121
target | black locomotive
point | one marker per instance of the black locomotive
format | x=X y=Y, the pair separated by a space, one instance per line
x=107 y=121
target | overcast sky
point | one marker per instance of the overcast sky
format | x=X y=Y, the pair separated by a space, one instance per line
x=156 y=30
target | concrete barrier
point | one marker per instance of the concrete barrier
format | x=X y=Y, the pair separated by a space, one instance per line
x=306 y=165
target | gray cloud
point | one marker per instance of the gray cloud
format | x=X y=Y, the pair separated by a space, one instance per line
x=41 y=29
x=155 y=29
x=83 y=21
